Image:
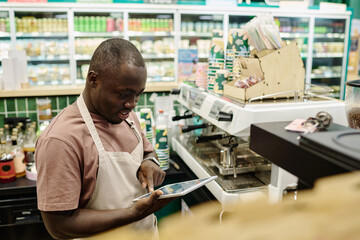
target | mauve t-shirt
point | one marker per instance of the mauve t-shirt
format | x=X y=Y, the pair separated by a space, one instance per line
x=67 y=159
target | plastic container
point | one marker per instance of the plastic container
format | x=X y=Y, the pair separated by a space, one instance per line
x=161 y=140
x=44 y=109
x=352 y=103
x=146 y=114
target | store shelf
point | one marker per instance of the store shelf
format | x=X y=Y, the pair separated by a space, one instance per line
x=160 y=87
x=82 y=57
x=176 y=25
x=98 y=34
x=160 y=79
x=63 y=58
x=304 y=55
x=203 y=56
x=74 y=90
x=150 y=34
x=42 y=35
x=317 y=76
x=330 y=35
x=196 y=34
x=294 y=35
x=328 y=55
x=43 y=91
x=157 y=55
x=4 y=35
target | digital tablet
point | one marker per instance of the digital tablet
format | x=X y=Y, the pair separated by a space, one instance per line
x=180 y=189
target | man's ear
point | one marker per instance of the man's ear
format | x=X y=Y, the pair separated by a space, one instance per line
x=92 y=78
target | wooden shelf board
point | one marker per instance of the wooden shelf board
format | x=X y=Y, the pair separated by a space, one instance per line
x=75 y=90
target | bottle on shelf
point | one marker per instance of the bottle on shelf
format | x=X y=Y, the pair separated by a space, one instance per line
x=6 y=135
x=161 y=140
x=29 y=151
x=7 y=168
x=19 y=157
x=29 y=145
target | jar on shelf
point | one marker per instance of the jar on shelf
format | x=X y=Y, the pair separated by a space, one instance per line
x=352 y=103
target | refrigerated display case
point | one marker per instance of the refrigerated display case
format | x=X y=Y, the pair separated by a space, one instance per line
x=44 y=37
x=196 y=32
x=90 y=29
x=328 y=59
x=295 y=29
x=323 y=44
x=5 y=37
x=153 y=34
x=160 y=31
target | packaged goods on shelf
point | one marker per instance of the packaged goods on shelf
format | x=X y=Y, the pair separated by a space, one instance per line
x=4 y=25
x=160 y=71
x=98 y=24
x=150 y=24
x=44 y=50
x=84 y=70
x=201 y=74
x=31 y=24
x=202 y=45
x=328 y=47
x=188 y=59
x=4 y=48
x=44 y=74
x=86 y=46
x=161 y=46
x=200 y=27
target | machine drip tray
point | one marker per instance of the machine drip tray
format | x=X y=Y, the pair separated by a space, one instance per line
x=252 y=172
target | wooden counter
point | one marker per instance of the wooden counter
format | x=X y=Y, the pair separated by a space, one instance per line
x=75 y=90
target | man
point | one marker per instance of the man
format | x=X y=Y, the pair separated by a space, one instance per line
x=93 y=158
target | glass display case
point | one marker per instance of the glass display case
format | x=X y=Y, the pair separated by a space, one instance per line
x=196 y=32
x=44 y=37
x=5 y=37
x=153 y=34
x=90 y=29
x=59 y=41
x=295 y=29
x=328 y=54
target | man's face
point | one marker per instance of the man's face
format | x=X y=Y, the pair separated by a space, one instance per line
x=117 y=95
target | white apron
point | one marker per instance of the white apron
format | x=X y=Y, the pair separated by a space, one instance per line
x=116 y=183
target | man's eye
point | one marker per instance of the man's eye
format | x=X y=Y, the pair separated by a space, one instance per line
x=123 y=94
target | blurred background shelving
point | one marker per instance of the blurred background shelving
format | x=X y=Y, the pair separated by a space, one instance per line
x=59 y=39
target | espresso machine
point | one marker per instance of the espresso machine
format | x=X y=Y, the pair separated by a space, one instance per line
x=222 y=148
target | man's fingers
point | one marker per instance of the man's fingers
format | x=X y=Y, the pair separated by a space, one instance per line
x=156 y=194
x=150 y=187
x=142 y=179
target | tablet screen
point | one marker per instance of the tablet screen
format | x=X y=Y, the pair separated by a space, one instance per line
x=181 y=188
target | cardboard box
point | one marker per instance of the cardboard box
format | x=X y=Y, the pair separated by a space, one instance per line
x=280 y=70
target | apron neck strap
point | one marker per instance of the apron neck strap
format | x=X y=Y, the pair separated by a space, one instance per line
x=90 y=124
x=132 y=126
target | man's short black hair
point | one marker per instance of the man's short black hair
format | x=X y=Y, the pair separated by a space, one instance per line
x=111 y=54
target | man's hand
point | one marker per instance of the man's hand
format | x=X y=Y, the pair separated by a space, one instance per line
x=150 y=175
x=150 y=204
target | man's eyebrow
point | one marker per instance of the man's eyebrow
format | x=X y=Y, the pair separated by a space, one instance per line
x=131 y=90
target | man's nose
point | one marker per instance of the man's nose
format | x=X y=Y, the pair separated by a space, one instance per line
x=131 y=104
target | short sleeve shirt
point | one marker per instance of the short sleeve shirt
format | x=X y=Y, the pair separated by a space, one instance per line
x=67 y=159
